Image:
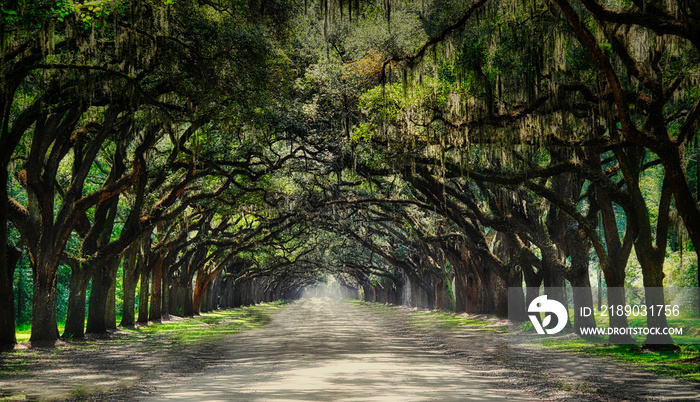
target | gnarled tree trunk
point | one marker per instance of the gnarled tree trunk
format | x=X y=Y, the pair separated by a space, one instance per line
x=44 y=327
x=154 y=313
x=7 y=308
x=75 y=319
x=130 y=274
x=102 y=281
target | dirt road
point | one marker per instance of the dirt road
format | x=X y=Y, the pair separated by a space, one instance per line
x=325 y=349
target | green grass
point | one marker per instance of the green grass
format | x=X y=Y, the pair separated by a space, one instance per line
x=207 y=327
x=13 y=397
x=378 y=307
x=24 y=331
x=443 y=320
x=211 y=326
x=81 y=392
x=433 y=320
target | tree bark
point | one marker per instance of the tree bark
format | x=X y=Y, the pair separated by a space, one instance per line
x=20 y=297
x=616 y=297
x=44 y=327
x=130 y=278
x=500 y=297
x=614 y=264
x=555 y=285
x=7 y=308
x=615 y=280
x=144 y=268
x=102 y=281
x=201 y=283
x=111 y=307
x=367 y=292
x=517 y=310
x=477 y=291
x=75 y=319
x=533 y=280
x=442 y=296
x=176 y=300
x=165 y=286
x=144 y=296
x=651 y=252
x=154 y=313
x=460 y=283
x=581 y=287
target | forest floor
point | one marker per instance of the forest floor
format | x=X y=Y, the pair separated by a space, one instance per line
x=326 y=349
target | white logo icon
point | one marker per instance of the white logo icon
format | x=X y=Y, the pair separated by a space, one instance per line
x=542 y=305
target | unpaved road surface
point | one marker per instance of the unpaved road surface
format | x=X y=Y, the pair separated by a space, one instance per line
x=325 y=349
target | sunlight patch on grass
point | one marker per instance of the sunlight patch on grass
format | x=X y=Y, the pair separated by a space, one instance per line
x=378 y=307
x=430 y=320
x=440 y=320
x=24 y=332
x=211 y=326
x=208 y=326
x=15 y=397
x=445 y=320
x=22 y=337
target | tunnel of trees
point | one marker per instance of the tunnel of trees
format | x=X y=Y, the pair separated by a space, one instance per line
x=168 y=157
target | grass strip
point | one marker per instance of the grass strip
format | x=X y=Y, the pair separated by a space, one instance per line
x=432 y=320
x=211 y=326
